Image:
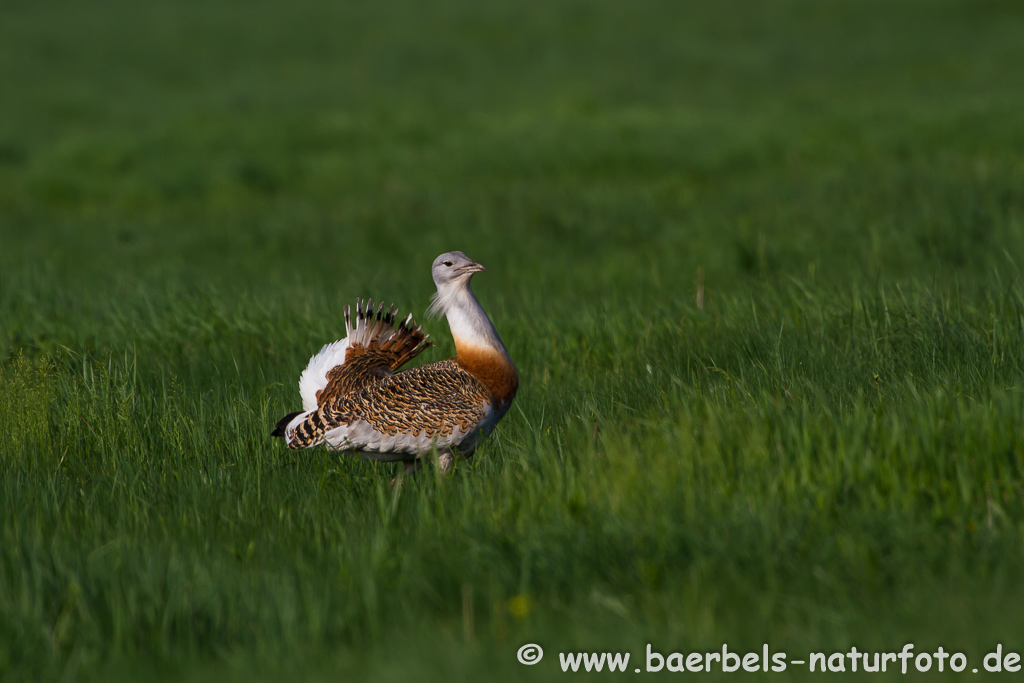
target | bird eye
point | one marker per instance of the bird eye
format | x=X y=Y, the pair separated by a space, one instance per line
x=448 y=263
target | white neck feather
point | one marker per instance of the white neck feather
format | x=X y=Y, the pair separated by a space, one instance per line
x=471 y=328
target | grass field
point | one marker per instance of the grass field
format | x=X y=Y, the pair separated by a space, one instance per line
x=759 y=266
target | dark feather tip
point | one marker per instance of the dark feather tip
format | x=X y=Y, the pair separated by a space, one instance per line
x=283 y=423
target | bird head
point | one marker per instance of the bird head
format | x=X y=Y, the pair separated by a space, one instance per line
x=452 y=272
x=453 y=266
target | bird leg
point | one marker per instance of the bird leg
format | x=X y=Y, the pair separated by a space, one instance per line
x=408 y=469
x=445 y=461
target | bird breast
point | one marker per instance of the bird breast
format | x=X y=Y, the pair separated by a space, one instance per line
x=493 y=369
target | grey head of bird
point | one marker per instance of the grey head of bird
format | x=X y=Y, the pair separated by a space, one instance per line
x=452 y=272
x=453 y=266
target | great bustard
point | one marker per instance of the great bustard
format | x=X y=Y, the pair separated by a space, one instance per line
x=355 y=399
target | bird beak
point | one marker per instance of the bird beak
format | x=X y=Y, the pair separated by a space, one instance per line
x=471 y=268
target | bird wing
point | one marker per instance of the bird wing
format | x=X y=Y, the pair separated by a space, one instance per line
x=406 y=412
x=374 y=348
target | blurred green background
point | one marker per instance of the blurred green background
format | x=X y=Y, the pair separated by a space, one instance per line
x=758 y=264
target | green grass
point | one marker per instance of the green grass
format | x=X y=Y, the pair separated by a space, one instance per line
x=827 y=451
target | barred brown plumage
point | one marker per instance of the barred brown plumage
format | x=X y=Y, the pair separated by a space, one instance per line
x=356 y=399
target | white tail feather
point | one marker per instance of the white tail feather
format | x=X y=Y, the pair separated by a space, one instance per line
x=370 y=324
x=314 y=377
